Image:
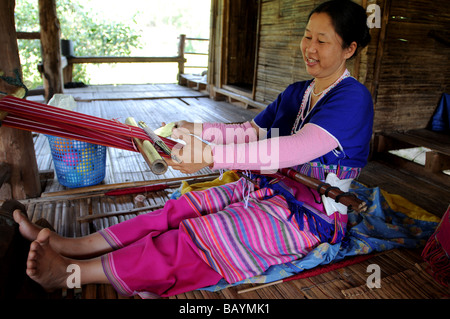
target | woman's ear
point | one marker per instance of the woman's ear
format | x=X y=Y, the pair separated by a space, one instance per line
x=350 y=50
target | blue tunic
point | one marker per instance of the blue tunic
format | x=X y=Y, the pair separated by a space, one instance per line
x=346 y=112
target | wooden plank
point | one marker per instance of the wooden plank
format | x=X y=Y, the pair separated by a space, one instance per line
x=124 y=59
x=436 y=141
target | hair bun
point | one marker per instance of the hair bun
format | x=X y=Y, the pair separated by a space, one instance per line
x=349 y=20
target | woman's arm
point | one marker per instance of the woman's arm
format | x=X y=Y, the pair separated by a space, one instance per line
x=277 y=152
x=307 y=144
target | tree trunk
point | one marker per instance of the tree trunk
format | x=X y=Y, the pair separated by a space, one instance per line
x=16 y=146
x=51 y=48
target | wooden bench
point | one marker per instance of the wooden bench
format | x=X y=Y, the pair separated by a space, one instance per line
x=437 y=157
x=195 y=82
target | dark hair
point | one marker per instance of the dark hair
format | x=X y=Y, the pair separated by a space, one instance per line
x=349 y=21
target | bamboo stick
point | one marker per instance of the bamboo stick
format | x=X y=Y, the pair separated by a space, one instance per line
x=97 y=190
x=117 y=213
x=243 y=291
x=156 y=163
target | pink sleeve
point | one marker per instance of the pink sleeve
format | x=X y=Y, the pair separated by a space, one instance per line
x=220 y=133
x=278 y=152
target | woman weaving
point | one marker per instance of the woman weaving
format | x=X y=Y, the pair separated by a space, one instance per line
x=322 y=128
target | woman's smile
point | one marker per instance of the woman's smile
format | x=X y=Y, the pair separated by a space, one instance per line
x=311 y=62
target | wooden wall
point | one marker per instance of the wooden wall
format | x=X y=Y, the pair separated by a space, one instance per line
x=278 y=58
x=406 y=65
x=414 y=66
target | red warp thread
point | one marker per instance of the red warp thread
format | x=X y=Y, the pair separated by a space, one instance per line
x=47 y=119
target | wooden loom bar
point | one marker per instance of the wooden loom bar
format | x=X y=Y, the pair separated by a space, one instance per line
x=335 y=193
x=148 y=151
x=126 y=185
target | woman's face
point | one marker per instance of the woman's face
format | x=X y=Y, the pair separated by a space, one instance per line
x=322 y=48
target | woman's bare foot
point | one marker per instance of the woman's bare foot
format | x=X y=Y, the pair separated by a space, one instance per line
x=28 y=230
x=93 y=245
x=44 y=265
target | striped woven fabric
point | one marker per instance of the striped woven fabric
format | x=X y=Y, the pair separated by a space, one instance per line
x=241 y=241
x=319 y=170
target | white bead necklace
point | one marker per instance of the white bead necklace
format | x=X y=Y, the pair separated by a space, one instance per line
x=306 y=101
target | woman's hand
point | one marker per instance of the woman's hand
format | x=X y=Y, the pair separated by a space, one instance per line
x=191 y=127
x=193 y=155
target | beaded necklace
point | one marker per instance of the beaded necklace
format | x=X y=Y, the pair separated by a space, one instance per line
x=306 y=101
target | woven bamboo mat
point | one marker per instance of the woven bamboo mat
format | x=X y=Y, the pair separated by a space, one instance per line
x=404 y=276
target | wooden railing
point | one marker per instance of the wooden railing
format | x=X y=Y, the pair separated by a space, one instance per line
x=196 y=53
x=180 y=59
x=69 y=60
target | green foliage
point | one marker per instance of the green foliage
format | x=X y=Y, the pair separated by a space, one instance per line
x=91 y=37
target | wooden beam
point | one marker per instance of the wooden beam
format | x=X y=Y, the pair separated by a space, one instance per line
x=181 y=48
x=415 y=138
x=16 y=146
x=29 y=35
x=51 y=48
x=123 y=59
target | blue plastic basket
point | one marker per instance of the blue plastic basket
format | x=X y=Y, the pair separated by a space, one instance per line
x=77 y=163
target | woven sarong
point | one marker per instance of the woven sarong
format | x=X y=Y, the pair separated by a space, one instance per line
x=241 y=232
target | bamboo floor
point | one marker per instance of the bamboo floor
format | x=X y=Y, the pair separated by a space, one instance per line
x=78 y=212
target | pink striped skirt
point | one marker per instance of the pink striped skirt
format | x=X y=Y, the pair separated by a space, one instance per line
x=230 y=231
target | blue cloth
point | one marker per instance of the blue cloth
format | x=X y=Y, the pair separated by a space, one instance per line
x=440 y=122
x=346 y=112
x=380 y=228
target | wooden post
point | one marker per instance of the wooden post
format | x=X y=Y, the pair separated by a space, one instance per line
x=16 y=146
x=51 y=48
x=380 y=49
x=181 y=46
